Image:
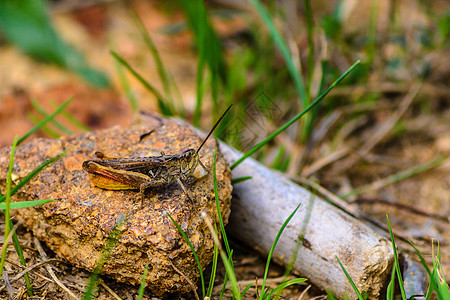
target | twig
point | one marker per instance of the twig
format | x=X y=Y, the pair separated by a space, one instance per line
x=193 y=287
x=41 y=251
x=304 y=292
x=8 y=285
x=388 y=124
x=26 y=270
x=103 y=284
x=403 y=206
x=431 y=90
x=395 y=177
x=381 y=132
x=324 y=161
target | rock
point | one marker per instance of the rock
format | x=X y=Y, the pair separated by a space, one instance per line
x=77 y=225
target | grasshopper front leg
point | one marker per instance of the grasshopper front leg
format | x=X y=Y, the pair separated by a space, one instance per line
x=180 y=183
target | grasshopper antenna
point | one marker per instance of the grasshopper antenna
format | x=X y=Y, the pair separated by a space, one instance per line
x=214 y=127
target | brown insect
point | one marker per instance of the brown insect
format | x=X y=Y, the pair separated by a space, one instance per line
x=114 y=173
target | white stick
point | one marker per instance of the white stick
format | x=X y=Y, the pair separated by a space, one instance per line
x=262 y=204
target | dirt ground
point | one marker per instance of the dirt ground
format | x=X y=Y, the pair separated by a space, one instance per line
x=418 y=206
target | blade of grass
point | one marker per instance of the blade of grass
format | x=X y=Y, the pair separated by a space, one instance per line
x=162 y=72
x=142 y=286
x=246 y=289
x=309 y=123
x=397 y=264
x=224 y=285
x=7 y=205
x=219 y=213
x=111 y=242
x=200 y=92
x=71 y=118
x=131 y=97
x=390 y=291
x=440 y=275
x=240 y=179
x=282 y=46
x=45 y=121
x=292 y=121
x=285 y=285
x=15 y=239
x=19 y=252
x=4 y=248
x=360 y=297
x=228 y=266
x=24 y=204
x=42 y=111
x=309 y=30
x=27 y=25
x=32 y=174
x=213 y=269
x=45 y=128
x=269 y=257
x=433 y=283
x=197 y=260
x=163 y=106
x=210 y=51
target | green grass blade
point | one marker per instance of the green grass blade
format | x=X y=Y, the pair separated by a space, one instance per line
x=163 y=106
x=200 y=92
x=162 y=73
x=19 y=252
x=360 y=297
x=390 y=291
x=131 y=97
x=226 y=261
x=213 y=269
x=8 y=224
x=45 y=128
x=45 y=121
x=430 y=273
x=224 y=286
x=219 y=213
x=7 y=211
x=110 y=243
x=246 y=289
x=197 y=260
x=285 y=285
x=397 y=264
x=71 y=118
x=294 y=119
x=27 y=25
x=269 y=257
x=309 y=30
x=210 y=51
x=24 y=204
x=282 y=46
x=142 y=286
x=240 y=179
x=32 y=174
x=42 y=111
x=440 y=276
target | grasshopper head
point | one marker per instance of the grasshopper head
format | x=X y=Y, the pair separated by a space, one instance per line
x=190 y=162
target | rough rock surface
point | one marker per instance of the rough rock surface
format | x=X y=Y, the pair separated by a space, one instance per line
x=77 y=225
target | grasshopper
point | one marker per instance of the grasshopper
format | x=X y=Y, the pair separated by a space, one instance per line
x=114 y=173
